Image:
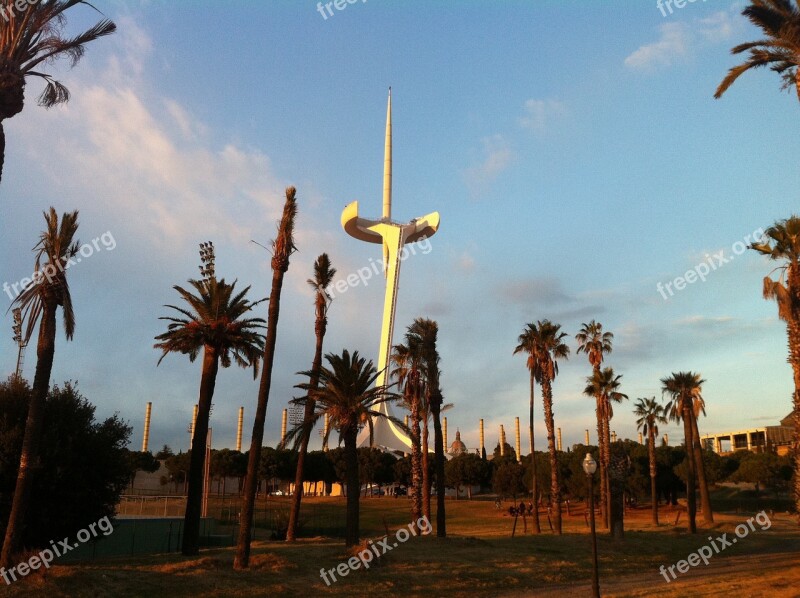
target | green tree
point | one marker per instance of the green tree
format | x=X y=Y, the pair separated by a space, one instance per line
x=214 y=322
x=323 y=277
x=140 y=461
x=781 y=243
x=346 y=394
x=282 y=249
x=780 y=50
x=649 y=414
x=596 y=343
x=31 y=39
x=408 y=372
x=507 y=479
x=39 y=303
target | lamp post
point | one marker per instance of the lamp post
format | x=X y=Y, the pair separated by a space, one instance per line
x=590 y=466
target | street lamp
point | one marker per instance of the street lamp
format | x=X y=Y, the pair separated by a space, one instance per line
x=590 y=466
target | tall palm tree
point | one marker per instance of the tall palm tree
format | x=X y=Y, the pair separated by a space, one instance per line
x=596 y=344
x=346 y=394
x=698 y=407
x=408 y=359
x=527 y=345
x=682 y=388
x=427 y=331
x=323 y=277
x=550 y=347
x=604 y=385
x=282 y=249
x=40 y=302
x=780 y=50
x=214 y=322
x=29 y=39
x=650 y=414
x=781 y=243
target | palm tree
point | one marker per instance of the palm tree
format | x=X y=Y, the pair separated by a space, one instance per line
x=682 y=387
x=527 y=345
x=40 y=302
x=550 y=348
x=29 y=39
x=323 y=277
x=780 y=50
x=698 y=407
x=781 y=243
x=596 y=344
x=345 y=393
x=426 y=331
x=604 y=385
x=282 y=249
x=650 y=414
x=215 y=323
x=408 y=372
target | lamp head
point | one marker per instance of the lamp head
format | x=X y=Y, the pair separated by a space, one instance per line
x=589 y=464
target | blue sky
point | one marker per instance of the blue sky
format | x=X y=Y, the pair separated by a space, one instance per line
x=573 y=149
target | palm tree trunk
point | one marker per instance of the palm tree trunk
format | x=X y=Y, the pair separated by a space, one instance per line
x=438 y=441
x=697 y=452
x=416 y=461
x=536 y=528
x=29 y=457
x=690 y=470
x=606 y=460
x=793 y=330
x=2 y=149
x=194 y=500
x=294 y=512
x=602 y=456
x=651 y=452
x=555 y=486
x=426 y=471
x=242 y=559
x=353 y=485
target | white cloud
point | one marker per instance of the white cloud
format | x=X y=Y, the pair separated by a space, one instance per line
x=539 y=113
x=497 y=156
x=673 y=43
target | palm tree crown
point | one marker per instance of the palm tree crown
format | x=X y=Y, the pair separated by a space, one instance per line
x=650 y=413
x=594 y=342
x=605 y=384
x=783 y=243
x=685 y=392
x=780 y=50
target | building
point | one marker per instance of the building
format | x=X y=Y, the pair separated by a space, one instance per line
x=775 y=439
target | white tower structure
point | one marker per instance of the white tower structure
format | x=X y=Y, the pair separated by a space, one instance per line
x=392 y=236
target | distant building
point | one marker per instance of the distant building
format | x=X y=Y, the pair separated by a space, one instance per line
x=458 y=447
x=774 y=439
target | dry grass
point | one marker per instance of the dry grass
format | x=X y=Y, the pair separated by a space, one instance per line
x=479 y=559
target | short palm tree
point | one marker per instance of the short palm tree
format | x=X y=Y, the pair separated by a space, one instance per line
x=550 y=347
x=526 y=344
x=345 y=393
x=39 y=303
x=282 y=249
x=427 y=331
x=596 y=343
x=29 y=39
x=650 y=413
x=781 y=243
x=683 y=388
x=215 y=323
x=780 y=50
x=323 y=277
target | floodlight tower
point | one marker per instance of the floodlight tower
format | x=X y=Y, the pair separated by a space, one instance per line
x=392 y=236
x=20 y=339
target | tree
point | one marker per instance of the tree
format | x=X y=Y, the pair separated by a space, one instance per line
x=29 y=39
x=527 y=345
x=282 y=249
x=345 y=393
x=164 y=453
x=66 y=495
x=507 y=479
x=323 y=276
x=178 y=468
x=214 y=322
x=427 y=331
x=604 y=386
x=467 y=469
x=596 y=344
x=650 y=414
x=682 y=387
x=550 y=348
x=781 y=243
x=780 y=50
x=140 y=461
x=39 y=302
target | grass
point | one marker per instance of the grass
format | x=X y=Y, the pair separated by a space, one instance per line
x=479 y=558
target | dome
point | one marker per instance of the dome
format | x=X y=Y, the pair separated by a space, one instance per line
x=458 y=447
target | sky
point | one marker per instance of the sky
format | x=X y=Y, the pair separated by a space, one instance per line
x=573 y=150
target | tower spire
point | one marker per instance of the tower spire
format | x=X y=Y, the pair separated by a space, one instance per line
x=387 y=162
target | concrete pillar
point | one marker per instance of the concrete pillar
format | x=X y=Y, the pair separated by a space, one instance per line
x=502 y=441
x=749 y=441
x=444 y=435
x=239 y=430
x=326 y=427
x=587 y=438
x=641 y=440
x=717 y=445
x=558 y=437
x=666 y=439
x=613 y=436
x=483 y=446
x=146 y=435
x=284 y=420
x=194 y=421
x=518 y=440
x=733 y=443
